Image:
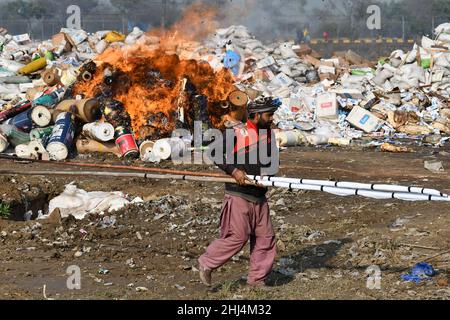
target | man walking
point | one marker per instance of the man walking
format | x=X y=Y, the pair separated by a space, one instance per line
x=245 y=212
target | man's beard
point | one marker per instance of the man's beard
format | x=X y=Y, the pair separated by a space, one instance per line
x=263 y=125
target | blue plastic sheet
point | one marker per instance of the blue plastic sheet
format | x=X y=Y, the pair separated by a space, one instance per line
x=420 y=272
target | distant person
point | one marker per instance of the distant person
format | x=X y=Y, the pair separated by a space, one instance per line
x=306 y=36
x=326 y=36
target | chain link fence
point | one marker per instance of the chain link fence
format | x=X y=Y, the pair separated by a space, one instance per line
x=337 y=28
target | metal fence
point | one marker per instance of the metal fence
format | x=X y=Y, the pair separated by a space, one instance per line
x=46 y=28
x=338 y=28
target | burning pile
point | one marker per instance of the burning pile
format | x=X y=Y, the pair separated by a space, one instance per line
x=158 y=91
x=91 y=89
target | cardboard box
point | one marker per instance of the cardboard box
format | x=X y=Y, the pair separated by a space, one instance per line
x=61 y=39
x=295 y=105
x=22 y=38
x=364 y=120
x=328 y=76
x=327 y=69
x=282 y=80
x=311 y=60
x=330 y=62
x=266 y=62
x=326 y=106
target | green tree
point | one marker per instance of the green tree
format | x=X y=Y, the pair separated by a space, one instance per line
x=28 y=9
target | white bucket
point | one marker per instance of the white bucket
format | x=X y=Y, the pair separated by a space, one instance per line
x=37 y=146
x=24 y=152
x=146 y=148
x=100 y=131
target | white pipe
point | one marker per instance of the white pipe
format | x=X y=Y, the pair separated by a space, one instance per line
x=353 y=185
x=344 y=192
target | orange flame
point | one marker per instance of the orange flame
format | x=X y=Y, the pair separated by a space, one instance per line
x=141 y=100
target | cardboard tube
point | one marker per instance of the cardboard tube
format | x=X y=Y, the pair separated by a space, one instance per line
x=50 y=77
x=88 y=146
x=225 y=105
x=87 y=110
x=40 y=133
x=86 y=76
x=238 y=98
x=166 y=148
x=36 y=146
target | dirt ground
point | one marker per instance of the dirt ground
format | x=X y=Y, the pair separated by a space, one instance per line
x=325 y=243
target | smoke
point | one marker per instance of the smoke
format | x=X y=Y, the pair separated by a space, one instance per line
x=266 y=19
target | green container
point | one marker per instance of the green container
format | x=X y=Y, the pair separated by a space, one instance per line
x=358 y=72
x=49 y=56
x=426 y=63
x=15 y=137
x=40 y=133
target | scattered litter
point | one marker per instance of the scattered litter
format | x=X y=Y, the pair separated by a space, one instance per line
x=434 y=166
x=79 y=203
x=179 y=287
x=103 y=271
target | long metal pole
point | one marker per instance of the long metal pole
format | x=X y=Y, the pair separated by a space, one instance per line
x=379 y=195
x=342 y=185
x=118 y=167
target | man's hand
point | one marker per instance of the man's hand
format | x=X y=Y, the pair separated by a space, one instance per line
x=241 y=177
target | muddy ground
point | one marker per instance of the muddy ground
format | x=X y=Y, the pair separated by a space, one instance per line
x=325 y=242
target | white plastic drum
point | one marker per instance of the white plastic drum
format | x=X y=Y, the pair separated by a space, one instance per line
x=58 y=151
x=171 y=147
x=41 y=116
x=99 y=131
